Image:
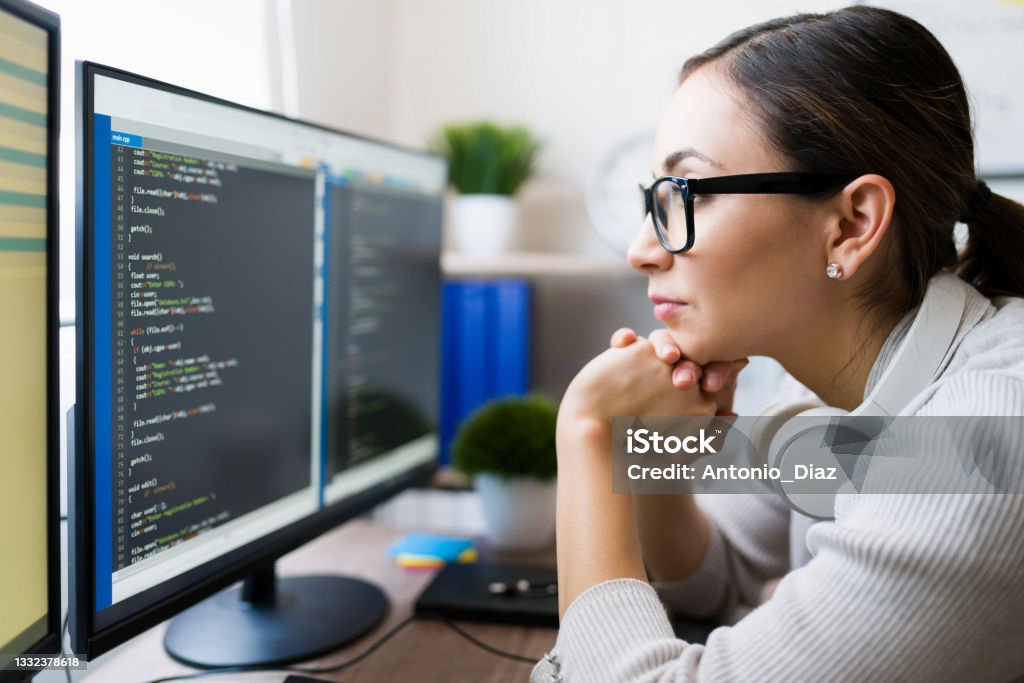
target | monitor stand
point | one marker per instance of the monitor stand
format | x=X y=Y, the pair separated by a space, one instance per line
x=269 y=621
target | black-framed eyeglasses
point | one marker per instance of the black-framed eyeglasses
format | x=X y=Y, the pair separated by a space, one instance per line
x=670 y=199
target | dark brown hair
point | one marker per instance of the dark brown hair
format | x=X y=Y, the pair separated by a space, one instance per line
x=866 y=90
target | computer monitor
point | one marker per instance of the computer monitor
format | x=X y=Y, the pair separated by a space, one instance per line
x=29 y=478
x=259 y=305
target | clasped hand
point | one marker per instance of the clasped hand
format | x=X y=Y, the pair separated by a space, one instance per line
x=649 y=376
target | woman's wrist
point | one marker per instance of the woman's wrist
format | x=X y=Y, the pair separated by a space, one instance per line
x=578 y=423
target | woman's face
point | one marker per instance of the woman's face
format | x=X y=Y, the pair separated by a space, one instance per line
x=756 y=268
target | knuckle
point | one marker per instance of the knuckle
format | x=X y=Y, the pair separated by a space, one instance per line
x=621 y=335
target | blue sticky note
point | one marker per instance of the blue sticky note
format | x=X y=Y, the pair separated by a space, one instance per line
x=446 y=548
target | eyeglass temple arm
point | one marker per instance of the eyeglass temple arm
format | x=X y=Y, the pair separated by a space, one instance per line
x=768 y=183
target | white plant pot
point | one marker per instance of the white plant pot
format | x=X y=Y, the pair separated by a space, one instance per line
x=483 y=224
x=520 y=512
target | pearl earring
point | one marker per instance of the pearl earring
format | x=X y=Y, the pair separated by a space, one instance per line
x=834 y=270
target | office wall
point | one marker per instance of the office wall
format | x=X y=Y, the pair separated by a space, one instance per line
x=343 y=62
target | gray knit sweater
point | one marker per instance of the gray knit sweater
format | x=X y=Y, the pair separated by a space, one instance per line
x=897 y=588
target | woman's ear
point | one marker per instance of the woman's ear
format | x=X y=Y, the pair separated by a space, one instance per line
x=862 y=213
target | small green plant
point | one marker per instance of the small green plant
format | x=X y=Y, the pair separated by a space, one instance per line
x=485 y=158
x=509 y=437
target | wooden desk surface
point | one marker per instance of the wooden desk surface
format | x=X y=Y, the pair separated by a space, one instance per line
x=423 y=651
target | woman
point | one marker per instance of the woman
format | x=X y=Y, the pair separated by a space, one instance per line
x=823 y=274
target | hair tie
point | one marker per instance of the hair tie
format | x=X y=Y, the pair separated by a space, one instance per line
x=976 y=202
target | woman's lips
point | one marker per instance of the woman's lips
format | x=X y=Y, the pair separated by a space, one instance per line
x=665 y=311
x=666 y=308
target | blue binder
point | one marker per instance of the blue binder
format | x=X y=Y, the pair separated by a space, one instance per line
x=485 y=337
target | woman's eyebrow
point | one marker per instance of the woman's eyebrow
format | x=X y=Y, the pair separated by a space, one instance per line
x=675 y=157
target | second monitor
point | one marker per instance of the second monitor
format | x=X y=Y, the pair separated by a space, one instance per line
x=258 y=345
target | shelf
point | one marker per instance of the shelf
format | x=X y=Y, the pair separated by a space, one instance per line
x=532 y=264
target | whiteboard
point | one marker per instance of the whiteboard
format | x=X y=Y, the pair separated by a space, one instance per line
x=986 y=40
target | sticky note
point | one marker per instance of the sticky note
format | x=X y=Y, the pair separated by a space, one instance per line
x=434 y=546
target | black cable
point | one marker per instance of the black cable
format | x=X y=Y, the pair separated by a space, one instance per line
x=479 y=643
x=358 y=658
x=362 y=655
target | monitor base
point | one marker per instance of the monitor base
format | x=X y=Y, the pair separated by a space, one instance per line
x=269 y=621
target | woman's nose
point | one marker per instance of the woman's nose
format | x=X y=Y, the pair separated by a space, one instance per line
x=645 y=252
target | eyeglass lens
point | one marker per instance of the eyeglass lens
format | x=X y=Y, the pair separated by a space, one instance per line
x=670 y=213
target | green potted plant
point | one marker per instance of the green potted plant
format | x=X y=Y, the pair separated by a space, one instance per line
x=508 y=446
x=487 y=164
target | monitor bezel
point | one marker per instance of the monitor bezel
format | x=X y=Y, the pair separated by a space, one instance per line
x=197 y=584
x=50 y=644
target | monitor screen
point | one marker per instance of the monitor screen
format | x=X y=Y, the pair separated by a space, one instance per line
x=29 y=610
x=260 y=348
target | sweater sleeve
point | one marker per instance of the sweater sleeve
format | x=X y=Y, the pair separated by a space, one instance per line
x=748 y=544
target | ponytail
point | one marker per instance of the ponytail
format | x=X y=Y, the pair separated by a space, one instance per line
x=993 y=260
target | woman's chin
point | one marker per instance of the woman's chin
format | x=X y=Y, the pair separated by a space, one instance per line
x=703 y=349
x=691 y=345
